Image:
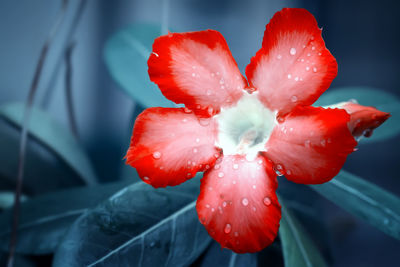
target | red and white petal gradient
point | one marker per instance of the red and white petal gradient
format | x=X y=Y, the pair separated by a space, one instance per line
x=293 y=67
x=169 y=146
x=238 y=205
x=196 y=69
x=311 y=145
x=363 y=119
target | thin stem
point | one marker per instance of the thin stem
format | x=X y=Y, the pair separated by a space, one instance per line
x=68 y=88
x=53 y=77
x=24 y=132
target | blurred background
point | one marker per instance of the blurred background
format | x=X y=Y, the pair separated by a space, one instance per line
x=364 y=36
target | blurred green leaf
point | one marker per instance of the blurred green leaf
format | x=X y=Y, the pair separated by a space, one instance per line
x=365 y=200
x=126 y=54
x=368 y=97
x=45 y=219
x=138 y=226
x=54 y=158
x=215 y=256
x=298 y=249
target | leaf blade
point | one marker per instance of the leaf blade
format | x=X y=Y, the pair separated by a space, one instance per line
x=367 y=201
x=126 y=54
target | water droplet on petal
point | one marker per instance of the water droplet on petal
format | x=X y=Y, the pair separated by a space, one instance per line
x=235 y=166
x=233 y=182
x=323 y=142
x=245 y=201
x=193 y=74
x=314 y=69
x=307 y=68
x=307 y=143
x=210 y=110
x=236 y=234
x=292 y=51
x=254 y=186
x=220 y=174
x=296 y=79
x=212 y=209
x=228 y=228
x=279 y=169
x=146 y=178
x=195 y=150
x=209 y=92
x=313 y=48
x=289 y=76
x=293 y=98
x=207 y=206
x=157 y=155
x=278 y=56
x=224 y=204
x=267 y=201
x=184 y=120
x=216 y=166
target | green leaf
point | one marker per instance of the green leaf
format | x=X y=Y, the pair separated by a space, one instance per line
x=45 y=219
x=366 y=96
x=298 y=249
x=138 y=226
x=53 y=154
x=126 y=54
x=365 y=200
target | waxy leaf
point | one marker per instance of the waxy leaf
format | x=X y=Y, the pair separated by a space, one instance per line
x=45 y=219
x=365 y=200
x=126 y=54
x=138 y=226
x=215 y=256
x=298 y=249
x=366 y=96
x=54 y=158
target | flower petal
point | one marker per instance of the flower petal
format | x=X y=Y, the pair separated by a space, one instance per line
x=169 y=146
x=363 y=119
x=311 y=145
x=293 y=67
x=196 y=69
x=238 y=205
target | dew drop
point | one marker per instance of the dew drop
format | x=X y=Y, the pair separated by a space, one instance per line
x=289 y=76
x=292 y=51
x=307 y=143
x=245 y=201
x=267 y=201
x=208 y=92
x=184 y=120
x=288 y=172
x=313 y=48
x=210 y=188
x=308 y=55
x=195 y=150
x=154 y=53
x=157 y=155
x=278 y=56
x=302 y=60
x=193 y=74
x=233 y=182
x=212 y=74
x=224 y=204
x=314 y=69
x=197 y=140
x=221 y=81
x=210 y=110
x=212 y=209
x=260 y=162
x=280 y=119
x=236 y=234
x=228 y=228
x=216 y=166
x=278 y=169
x=307 y=68
x=207 y=206
x=319 y=54
x=296 y=78
x=254 y=186
x=293 y=98
x=146 y=178
x=220 y=174
x=323 y=142
x=254 y=209
x=235 y=166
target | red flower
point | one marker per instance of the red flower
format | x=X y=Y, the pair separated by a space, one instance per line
x=242 y=135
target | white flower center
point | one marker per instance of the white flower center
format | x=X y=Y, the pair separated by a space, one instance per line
x=246 y=127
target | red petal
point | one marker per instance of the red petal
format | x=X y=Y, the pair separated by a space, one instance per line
x=238 y=205
x=293 y=67
x=196 y=69
x=363 y=120
x=169 y=146
x=311 y=145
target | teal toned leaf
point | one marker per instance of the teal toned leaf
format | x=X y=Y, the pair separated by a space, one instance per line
x=365 y=200
x=215 y=256
x=126 y=54
x=45 y=219
x=53 y=154
x=298 y=249
x=368 y=97
x=138 y=226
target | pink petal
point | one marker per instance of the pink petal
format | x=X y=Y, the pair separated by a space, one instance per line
x=196 y=69
x=293 y=67
x=363 y=120
x=238 y=205
x=311 y=145
x=169 y=146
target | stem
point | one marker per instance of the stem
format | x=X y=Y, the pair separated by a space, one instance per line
x=24 y=132
x=68 y=89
